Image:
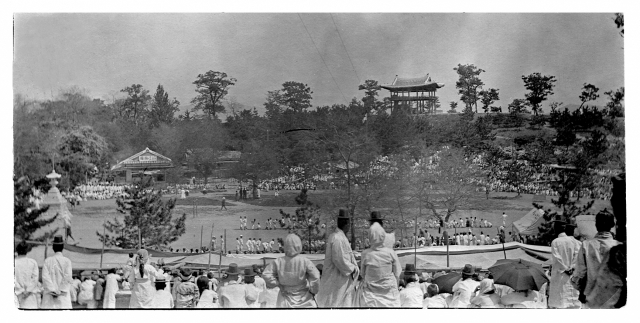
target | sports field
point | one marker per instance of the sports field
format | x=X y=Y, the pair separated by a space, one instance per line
x=89 y=216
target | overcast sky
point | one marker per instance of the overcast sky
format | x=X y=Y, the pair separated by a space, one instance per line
x=107 y=52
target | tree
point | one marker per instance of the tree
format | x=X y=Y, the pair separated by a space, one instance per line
x=146 y=217
x=211 y=87
x=518 y=106
x=468 y=84
x=350 y=148
x=446 y=184
x=565 y=136
x=593 y=147
x=589 y=93
x=308 y=214
x=203 y=140
x=488 y=97
x=136 y=104
x=370 y=100
x=518 y=174
x=257 y=162
x=295 y=96
x=540 y=87
x=614 y=106
x=82 y=152
x=28 y=214
x=453 y=105
x=162 y=109
x=540 y=151
x=555 y=106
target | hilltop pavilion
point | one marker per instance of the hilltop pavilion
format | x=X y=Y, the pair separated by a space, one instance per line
x=416 y=94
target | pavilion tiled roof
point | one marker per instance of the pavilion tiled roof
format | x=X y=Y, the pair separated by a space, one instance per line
x=418 y=83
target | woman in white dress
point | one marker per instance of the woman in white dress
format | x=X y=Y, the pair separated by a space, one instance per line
x=142 y=281
x=111 y=289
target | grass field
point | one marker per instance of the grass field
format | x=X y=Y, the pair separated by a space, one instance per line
x=203 y=211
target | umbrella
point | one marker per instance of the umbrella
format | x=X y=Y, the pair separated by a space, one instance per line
x=445 y=282
x=518 y=274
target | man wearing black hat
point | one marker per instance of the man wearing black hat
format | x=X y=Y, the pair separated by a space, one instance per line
x=340 y=269
x=411 y=295
x=390 y=238
x=57 y=278
x=232 y=294
x=464 y=289
x=187 y=292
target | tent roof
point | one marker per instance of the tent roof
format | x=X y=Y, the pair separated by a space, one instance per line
x=528 y=224
x=478 y=258
x=428 y=257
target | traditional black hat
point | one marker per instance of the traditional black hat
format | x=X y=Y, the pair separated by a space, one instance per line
x=343 y=214
x=57 y=240
x=410 y=269
x=376 y=216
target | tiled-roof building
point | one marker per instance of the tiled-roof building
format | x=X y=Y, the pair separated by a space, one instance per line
x=417 y=94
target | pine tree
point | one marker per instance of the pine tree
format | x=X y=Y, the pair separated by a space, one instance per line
x=147 y=218
x=308 y=216
x=567 y=208
x=28 y=215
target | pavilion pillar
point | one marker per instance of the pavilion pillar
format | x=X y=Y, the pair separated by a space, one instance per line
x=128 y=176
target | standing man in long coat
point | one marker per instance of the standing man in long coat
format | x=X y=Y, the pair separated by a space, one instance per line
x=26 y=279
x=56 y=278
x=340 y=269
x=564 y=252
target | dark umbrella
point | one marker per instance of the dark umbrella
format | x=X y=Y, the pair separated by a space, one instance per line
x=445 y=282
x=518 y=274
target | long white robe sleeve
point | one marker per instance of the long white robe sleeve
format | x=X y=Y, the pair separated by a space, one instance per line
x=26 y=282
x=564 y=253
x=56 y=282
x=340 y=273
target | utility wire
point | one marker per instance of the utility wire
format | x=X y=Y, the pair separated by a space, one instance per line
x=345 y=47
x=325 y=63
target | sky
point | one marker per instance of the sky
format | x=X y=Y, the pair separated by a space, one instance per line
x=104 y=53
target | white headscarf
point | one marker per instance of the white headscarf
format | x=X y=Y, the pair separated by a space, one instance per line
x=486 y=285
x=292 y=245
x=377 y=236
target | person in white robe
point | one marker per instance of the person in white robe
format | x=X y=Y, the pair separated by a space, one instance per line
x=380 y=269
x=75 y=289
x=564 y=254
x=434 y=299
x=26 y=278
x=111 y=288
x=340 y=269
x=162 y=298
x=464 y=290
x=56 y=279
x=85 y=297
x=295 y=275
x=487 y=296
x=411 y=295
x=142 y=280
